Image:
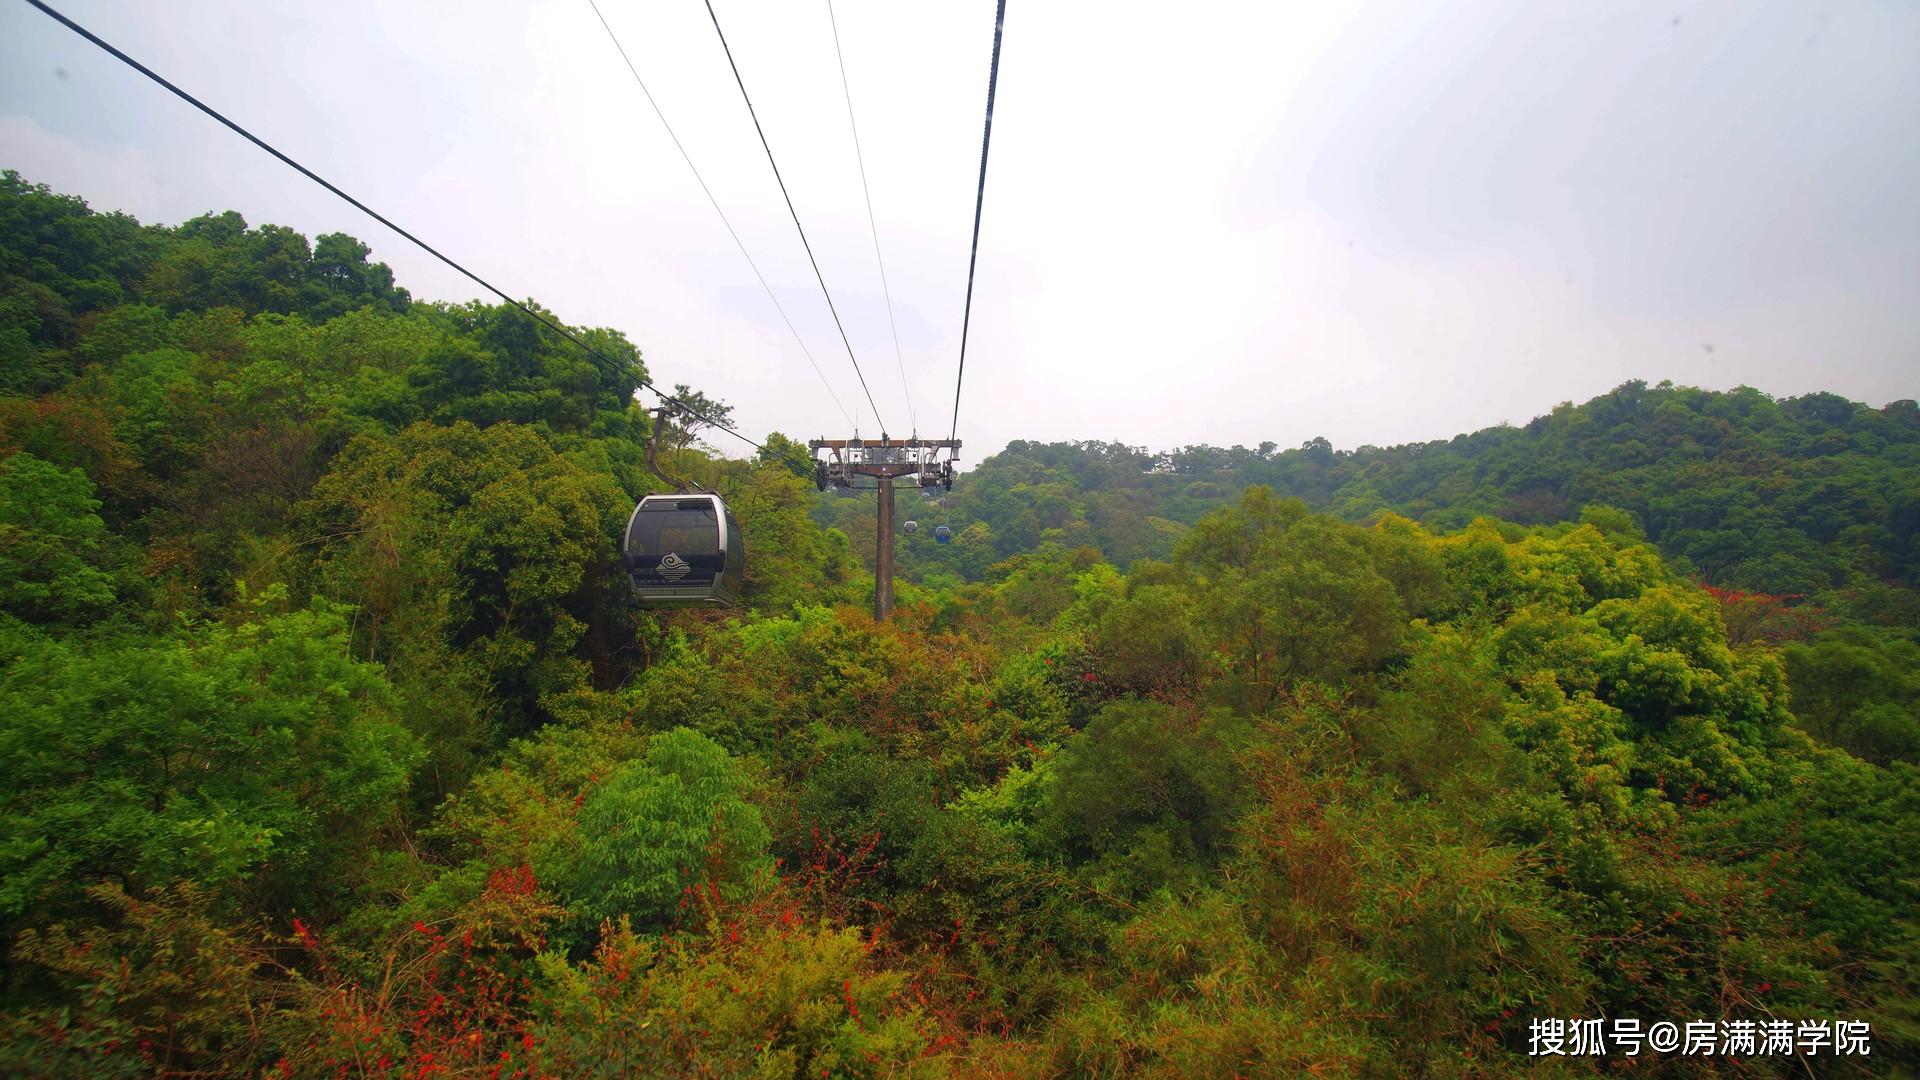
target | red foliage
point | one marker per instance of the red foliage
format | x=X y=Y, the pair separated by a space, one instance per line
x=513 y=881
x=1764 y=618
x=457 y=1001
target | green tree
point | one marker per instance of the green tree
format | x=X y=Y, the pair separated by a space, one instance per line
x=695 y=413
x=51 y=541
x=1858 y=691
x=794 y=455
x=1145 y=794
x=1286 y=595
x=672 y=821
x=259 y=748
x=481 y=542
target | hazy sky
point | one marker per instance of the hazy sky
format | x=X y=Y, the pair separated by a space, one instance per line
x=1204 y=223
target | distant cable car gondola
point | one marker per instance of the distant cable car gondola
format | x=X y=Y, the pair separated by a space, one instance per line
x=910 y=527
x=684 y=550
x=943 y=534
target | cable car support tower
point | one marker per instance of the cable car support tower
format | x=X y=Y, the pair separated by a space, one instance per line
x=857 y=465
x=850 y=463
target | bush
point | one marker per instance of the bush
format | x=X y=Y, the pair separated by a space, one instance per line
x=662 y=825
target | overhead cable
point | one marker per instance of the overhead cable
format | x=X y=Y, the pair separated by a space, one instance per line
x=684 y=156
x=979 y=197
x=867 y=191
x=795 y=214
x=614 y=366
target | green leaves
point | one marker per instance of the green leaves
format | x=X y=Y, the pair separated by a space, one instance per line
x=773 y=998
x=1283 y=595
x=483 y=541
x=51 y=538
x=1344 y=798
x=671 y=822
x=263 y=747
x=1859 y=691
x=1145 y=789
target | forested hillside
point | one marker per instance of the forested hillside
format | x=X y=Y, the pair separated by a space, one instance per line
x=1804 y=496
x=334 y=745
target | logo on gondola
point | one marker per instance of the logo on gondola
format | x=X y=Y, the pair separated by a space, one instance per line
x=673 y=567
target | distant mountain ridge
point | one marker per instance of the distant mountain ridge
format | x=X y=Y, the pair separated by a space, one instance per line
x=1803 y=495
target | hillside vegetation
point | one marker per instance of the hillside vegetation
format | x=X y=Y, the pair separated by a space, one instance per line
x=334 y=745
x=1810 y=496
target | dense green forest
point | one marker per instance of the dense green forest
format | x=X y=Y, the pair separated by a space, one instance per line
x=334 y=745
x=1806 y=496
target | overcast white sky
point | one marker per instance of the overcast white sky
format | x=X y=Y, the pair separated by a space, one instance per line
x=1204 y=223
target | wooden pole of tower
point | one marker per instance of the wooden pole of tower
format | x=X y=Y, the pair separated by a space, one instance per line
x=883 y=554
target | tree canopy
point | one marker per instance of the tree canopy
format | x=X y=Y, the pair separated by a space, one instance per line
x=334 y=745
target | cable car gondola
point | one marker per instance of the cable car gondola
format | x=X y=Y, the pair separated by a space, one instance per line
x=910 y=527
x=684 y=550
x=943 y=534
